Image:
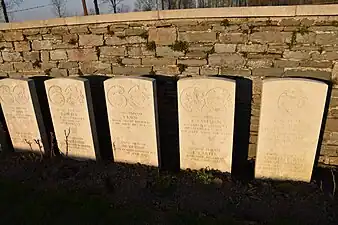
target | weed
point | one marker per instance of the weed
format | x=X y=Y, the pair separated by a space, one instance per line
x=164 y=184
x=204 y=176
x=335 y=23
x=144 y=35
x=180 y=46
x=303 y=30
x=151 y=46
x=36 y=64
x=119 y=61
x=268 y=22
x=293 y=40
x=73 y=41
x=47 y=71
x=225 y=23
x=211 y=51
x=182 y=67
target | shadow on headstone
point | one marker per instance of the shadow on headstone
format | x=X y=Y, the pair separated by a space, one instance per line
x=166 y=88
x=322 y=129
x=101 y=117
x=240 y=166
x=46 y=116
x=5 y=138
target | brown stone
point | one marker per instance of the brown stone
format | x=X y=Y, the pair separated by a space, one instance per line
x=158 y=61
x=58 y=55
x=11 y=56
x=162 y=36
x=233 y=38
x=90 y=40
x=131 y=61
x=56 y=72
x=128 y=70
x=31 y=56
x=223 y=48
x=13 y=36
x=22 y=46
x=82 y=55
x=192 y=62
x=167 y=51
x=267 y=72
x=197 y=36
x=228 y=60
x=42 y=45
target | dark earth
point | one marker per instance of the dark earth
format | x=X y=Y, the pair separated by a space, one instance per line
x=36 y=190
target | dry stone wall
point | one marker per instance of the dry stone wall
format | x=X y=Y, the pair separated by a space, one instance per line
x=253 y=47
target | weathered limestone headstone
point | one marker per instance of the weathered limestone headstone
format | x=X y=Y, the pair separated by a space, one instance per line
x=72 y=114
x=290 y=121
x=22 y=113
x=206 y=108
x=132 y=114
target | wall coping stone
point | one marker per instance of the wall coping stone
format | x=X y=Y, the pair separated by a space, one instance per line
x=201 y=13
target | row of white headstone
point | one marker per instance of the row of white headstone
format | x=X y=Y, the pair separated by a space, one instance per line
x=290 y=121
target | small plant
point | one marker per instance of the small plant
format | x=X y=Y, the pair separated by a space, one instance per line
x=79 y=72
x=67 y=133
x=204 y=176
x=119 y=61
x=36 y=64
x=268 y=22
x=144 y=35
x=73 y=41
x=293 y=40
x=152 y=73
x=321 y=49
x=303 y=30
x=225 y=23
x=182 y=67
x=151 y=46
x=180 y=46
x=164 y=184
x=211 y=51
x=47 y=71
x=335 y=23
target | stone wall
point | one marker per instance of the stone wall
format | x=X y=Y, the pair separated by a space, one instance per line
x=252 y=42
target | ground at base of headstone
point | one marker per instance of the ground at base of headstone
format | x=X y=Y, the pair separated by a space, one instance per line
x=59 y=191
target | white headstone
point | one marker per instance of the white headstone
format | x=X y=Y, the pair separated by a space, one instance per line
x=290 y=121
x=132 y=114
x=72 y=114
x=206 y=109
x=22 y=113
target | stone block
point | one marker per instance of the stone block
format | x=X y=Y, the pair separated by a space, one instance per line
x=114 y=40
x=131 y=61
x=6 y=67
x=72 y=114
x=45 y=56
x=225 y=48
x=78 y=29
x=228 y=60
x=95 y=67
x=11 y=56
x=259 y=63
x=233 y=38
x=209 y=71
x=135 y=32
x=267 y=72
x=167 y=51
x=271 y=37
x=58 y=55
x=192 y=62
x=22 y=46
x=252 y=48
x=128 y=70
x=200 y=36
x=112 y=51
x=162 y=36
x=80 y=55
x=90 y=40
x=68 y=65
x=31 y=56
x=296 y=55
x=23 y=66
x=42 y=45
x=286 y=63
x=158 y=61
x=326 y=38
x=13 y=36
x=132 y=115
x=307 y=38
x=59 y=30
x=235 y=72
x=57 y=72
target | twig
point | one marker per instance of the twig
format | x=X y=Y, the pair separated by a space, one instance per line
x=334 y=183
x=66 y=140
x=29 y=143
x=52 y=154
x=40 y=148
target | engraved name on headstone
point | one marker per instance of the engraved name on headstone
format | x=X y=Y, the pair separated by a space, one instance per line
x=132 y=114
x=22 y=113
x=72 y=114
x=290 y=121
x=206 y=108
